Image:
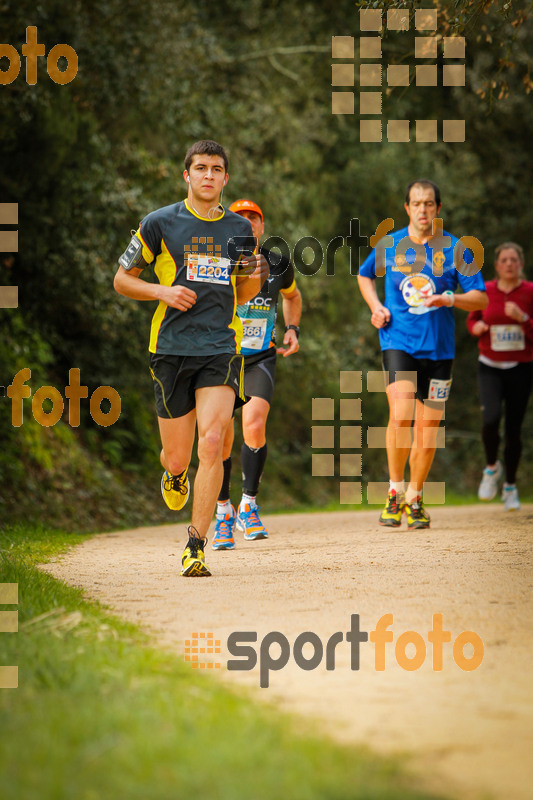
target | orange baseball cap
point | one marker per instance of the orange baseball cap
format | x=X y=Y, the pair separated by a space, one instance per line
x=246 y=205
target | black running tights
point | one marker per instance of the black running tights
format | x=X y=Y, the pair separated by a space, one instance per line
x=496 y=387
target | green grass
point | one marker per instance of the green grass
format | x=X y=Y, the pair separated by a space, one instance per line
x=101 y=715
x=452 y=499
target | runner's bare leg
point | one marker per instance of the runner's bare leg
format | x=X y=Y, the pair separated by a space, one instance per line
x=177 y=438
x=427 y=419
x=401 y=396
x=214 y=408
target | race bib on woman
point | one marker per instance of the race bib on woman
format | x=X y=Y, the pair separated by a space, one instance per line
x=506 y=338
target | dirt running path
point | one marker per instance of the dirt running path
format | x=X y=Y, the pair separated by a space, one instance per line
x=467 y=732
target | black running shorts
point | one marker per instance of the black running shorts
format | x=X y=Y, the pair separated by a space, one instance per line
x=259 y=374
x=176 y=379
x=433 y=377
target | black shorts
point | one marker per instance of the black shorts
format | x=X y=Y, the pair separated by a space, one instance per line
x=433 y=377
x=176 y=379
x=259 y=374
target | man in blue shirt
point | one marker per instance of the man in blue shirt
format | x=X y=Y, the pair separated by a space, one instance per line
x=423 y=265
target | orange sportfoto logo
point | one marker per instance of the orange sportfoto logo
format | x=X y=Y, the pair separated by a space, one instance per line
x=32 y=50
x=74 y=391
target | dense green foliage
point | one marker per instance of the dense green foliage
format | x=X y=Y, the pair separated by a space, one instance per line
x=87 y=160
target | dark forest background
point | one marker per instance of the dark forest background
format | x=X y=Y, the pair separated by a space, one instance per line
x=86 y=161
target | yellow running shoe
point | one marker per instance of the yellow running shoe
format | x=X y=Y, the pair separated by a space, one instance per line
x=192 y=561
x=391 y=516
x=417 y=516
x=175 y=489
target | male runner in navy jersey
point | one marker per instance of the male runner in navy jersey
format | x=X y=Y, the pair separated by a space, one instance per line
x=258 y=346
x=201 y=260
x=417 y=336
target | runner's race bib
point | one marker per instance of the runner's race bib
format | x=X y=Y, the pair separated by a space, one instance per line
x=254 y=331
x=439 y=390
x=208 y=269
x=505 y=338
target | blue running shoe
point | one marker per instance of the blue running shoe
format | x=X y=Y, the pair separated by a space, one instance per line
x=249 y=523
x=223 y=539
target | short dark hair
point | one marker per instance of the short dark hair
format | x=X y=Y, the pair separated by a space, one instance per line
x=206 y=147
x=427 y=184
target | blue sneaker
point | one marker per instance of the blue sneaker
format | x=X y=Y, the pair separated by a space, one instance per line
x=223 y=539
x=249 y=523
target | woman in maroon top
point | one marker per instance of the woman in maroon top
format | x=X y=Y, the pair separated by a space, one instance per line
x=505 y=339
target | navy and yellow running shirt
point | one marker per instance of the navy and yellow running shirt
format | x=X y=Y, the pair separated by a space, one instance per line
x=421 y=331
x=185 y=249
x=258 y=316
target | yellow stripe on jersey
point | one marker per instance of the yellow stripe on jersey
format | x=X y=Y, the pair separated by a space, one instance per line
x=290 y=289
x=147 y=253
x=165 y=270
x=152 y=373
x=240 y=393
x=205 y=219
x=236 y=324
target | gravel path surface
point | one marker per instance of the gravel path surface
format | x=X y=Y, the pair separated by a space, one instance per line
x=468 y=733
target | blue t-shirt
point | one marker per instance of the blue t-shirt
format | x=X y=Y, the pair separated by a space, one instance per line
x=414 y=328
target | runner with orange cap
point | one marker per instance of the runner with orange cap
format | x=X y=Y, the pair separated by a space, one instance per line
x=258 y=346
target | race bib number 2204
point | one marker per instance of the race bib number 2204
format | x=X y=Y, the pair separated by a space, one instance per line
x=208 y=269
